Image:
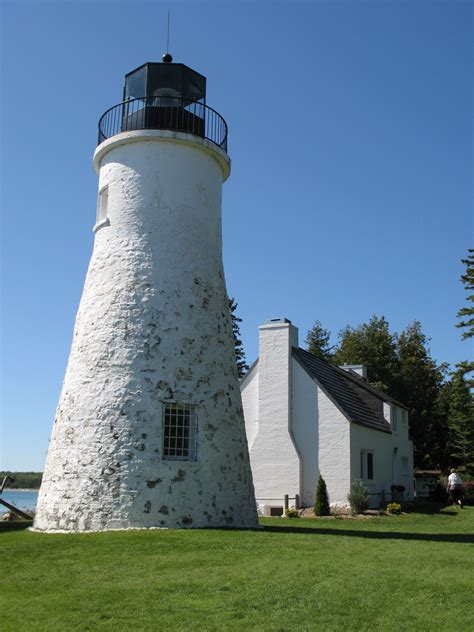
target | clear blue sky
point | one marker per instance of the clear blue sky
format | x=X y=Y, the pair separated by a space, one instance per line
x=351 y=140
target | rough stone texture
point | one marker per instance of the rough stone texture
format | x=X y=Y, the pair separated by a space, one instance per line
x=153 y=326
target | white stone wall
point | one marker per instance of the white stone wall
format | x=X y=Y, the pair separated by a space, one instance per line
x=334 y=454
x=404 y=447
x=387 y=463
x=249 y=390
x=273 y=455
x=305 y=423
x=290 y=447
x=381 y=444
x=153 y=326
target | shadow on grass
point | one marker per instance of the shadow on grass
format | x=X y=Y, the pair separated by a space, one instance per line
x=432 y=508
x=458 y=538
x=15 y=525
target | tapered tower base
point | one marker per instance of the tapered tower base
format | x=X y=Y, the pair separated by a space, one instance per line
x=149 y=430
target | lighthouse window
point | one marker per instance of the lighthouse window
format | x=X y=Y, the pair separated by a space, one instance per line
x=102 y=204
x=179 y=432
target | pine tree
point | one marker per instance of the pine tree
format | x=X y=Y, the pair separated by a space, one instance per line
x=467 y=313
x=420 y=384
x=242 y=365
x=460 y=423
x=321 y=506
x=401 y=365
x=317 y=341
x=373 y=345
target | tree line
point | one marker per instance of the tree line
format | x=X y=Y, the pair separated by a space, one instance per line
x=22 y=480
x=439 y=400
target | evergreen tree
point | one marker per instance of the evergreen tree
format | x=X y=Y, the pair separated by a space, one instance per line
x=373 y=345
x=442 y=414
x=321 y=506
x=467 y=313
x=317 y=341
x=22 y=480
x=401 y=365
x=460 y=422
x=419 y=387
x=242 y=365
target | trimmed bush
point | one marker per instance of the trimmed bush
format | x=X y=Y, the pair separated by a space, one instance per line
x=358 y=497
x=321 y=506
x=291 y=512
x=394 y=508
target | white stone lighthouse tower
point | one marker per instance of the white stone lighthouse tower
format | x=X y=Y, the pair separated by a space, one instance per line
x=149 y=430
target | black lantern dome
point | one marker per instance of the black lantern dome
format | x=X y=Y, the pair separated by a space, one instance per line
x=164 y=96
x=163 y=80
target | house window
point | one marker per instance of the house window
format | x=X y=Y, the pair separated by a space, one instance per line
x=370 y=466
x=102 y=204
x=179 y=432
x=367 y=465
x=404 y=461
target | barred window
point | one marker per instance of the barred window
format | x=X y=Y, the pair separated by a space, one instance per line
x=179 y=432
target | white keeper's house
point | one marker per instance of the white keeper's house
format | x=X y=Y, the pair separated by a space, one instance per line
x=305 y=417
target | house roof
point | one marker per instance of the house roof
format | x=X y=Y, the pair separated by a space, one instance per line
x=426 y=473
x=359 y=402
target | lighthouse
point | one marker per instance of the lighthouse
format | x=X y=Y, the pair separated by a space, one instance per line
x=149 y=428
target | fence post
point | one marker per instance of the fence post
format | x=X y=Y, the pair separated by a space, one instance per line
x=286 y=502
x=297 y=501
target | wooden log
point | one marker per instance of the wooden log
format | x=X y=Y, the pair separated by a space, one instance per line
x=15 y=510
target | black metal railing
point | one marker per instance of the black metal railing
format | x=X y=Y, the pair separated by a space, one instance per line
x=171 y=113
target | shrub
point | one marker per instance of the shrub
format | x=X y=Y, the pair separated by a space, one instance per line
x=358 y=497
x=468 y=489
x=443 y=480
x=291 y=512
x=439 y=493
x=321 y=506
x=394 y=508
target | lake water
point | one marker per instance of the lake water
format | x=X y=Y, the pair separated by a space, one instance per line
x=22 y=500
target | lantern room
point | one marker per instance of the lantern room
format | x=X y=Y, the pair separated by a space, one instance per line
x=164 y=96
x=165 y=81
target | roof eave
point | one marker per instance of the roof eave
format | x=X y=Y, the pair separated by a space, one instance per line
x=249 y=372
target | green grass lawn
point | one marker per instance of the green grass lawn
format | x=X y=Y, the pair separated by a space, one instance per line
x=403 y=572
